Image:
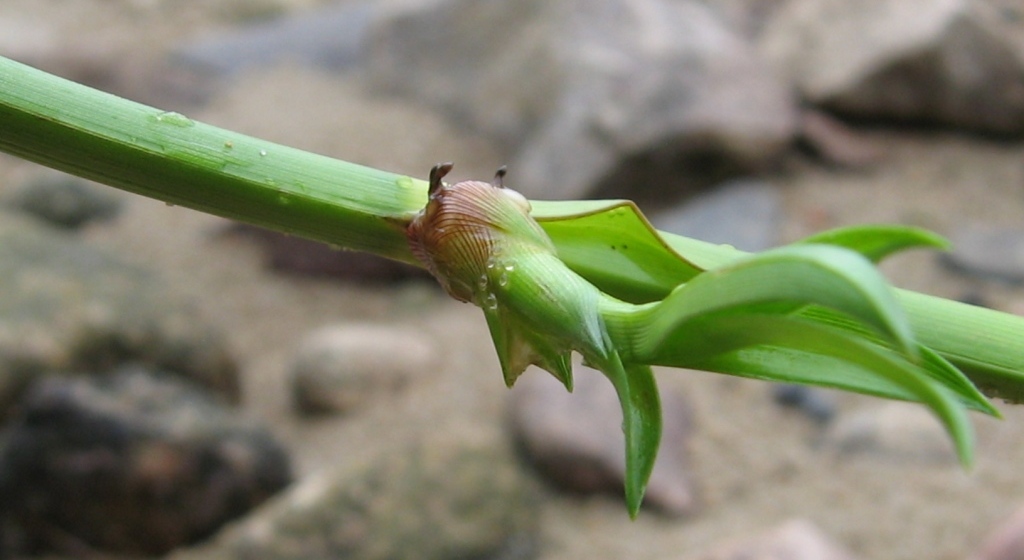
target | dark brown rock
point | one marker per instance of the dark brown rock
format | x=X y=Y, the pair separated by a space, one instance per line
x=65 y=305
x=131 y=463
x=296 y=255
x=440 y=499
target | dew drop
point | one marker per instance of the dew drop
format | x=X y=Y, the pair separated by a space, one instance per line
x=503 y=280
x=481 y=283
x=174 y=119
x=490 y=302
x=263 y=153
x=510 y=268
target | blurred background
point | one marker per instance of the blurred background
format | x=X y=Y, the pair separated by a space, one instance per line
x=175 y=384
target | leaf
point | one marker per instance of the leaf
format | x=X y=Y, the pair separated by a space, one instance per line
x=875 y=242
x=641 y=420
x=722 y=336
x=780 y=281
x=614 y=247
x=931 y=362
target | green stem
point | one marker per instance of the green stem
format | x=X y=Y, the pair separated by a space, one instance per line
x=169 y=157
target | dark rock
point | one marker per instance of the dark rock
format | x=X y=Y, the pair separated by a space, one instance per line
x=432 y=500
x=797 y=539
x=950 y=62
x=132 y=463
x=65 y=201
x=812 y=402
x=338 y=369
x=330 y=37
x=576 y=439
x=67 y=306
x=303 y=256
x=987 y=251
x=607 y=98
x=746 y=214
x=1005 y=542
x=892 y=431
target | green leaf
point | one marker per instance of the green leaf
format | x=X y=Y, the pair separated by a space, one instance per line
x=875 y=242
x=614 y=246
x=641 y=420
x=931 y=362
x=722 y=336
x=779 y=281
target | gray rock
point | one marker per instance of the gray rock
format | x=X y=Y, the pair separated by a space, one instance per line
x=67 y=306
x=812 y=402
x=330 y=37
x=607 y=98
x=835 y=143
x=131 y=463
x=892 y=431
x=797 y=539
x=432 y=500
x=953 y=62
x=28 y=39
x=987 y=251
x=340 y=368
x=65 y=201
x=746 y=214
x=576 y=439
x=1005 y=542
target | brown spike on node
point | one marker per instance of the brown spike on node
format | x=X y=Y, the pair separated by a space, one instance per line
x=499 y=177
x=436 y=174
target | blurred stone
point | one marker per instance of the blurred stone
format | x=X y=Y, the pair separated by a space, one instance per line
x=340 y=368
x=835 y=143
x=432 y=500
x=952 y=62
x=746 y=214
x=131 y=463
x=28 y=38
x=987 y=251
x=67 y=306
x=748 y=17
x=812 y=402
x=612 y=98
x=330 y=36
x=797 y=539
x=892 y=431
x=576 y=440
x=64 y=200
x=311 y=258
x=1005 y=542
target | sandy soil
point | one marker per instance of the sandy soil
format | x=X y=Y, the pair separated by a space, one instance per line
x=756 y=464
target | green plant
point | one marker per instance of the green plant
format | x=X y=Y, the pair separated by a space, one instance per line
x=559 y=277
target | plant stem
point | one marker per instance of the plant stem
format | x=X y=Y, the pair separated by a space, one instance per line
x=169 y=157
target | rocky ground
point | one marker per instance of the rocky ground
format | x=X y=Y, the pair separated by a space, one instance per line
x=872 y=478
